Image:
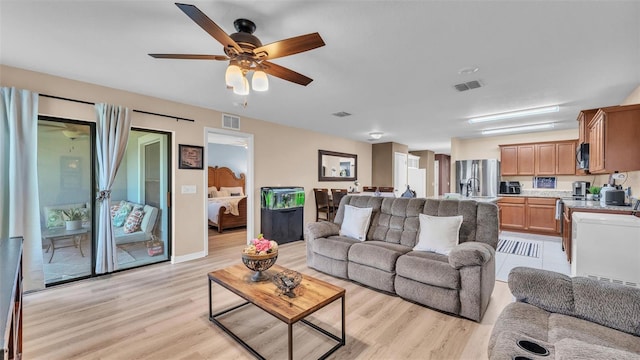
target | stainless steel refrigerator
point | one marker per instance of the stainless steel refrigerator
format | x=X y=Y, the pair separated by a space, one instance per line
x=478 y=177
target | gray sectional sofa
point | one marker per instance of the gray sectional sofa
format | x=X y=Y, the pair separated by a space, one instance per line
x=460 y=283
x=566 y=318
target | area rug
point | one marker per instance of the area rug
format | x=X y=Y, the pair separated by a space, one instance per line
x=519 y=247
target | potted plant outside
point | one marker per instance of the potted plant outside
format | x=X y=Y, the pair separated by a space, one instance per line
x=594 y=191
x=73 y=218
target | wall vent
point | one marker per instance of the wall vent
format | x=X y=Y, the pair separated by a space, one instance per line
x=230 y=122
x=614 y=281
x=468 y=85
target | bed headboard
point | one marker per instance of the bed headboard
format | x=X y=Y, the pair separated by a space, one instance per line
x=223 y=176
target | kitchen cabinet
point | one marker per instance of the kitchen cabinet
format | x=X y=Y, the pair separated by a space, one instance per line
x=566 y=158
x=545 y=158
x=526 y=159
x=541 y=215
x=584 y=118
x=509 y=160
x=613 y=135
x=529 y=214
x=512 y=213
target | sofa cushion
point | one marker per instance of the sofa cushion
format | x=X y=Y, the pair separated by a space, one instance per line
x=571 y=349
x=429 y=268
x=356 y=222
x=398 y=221
x=438 y=234
x=569 y=327
x=377 y=254
x=334 y=247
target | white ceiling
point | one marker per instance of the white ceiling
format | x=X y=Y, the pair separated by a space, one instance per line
x=392 y=64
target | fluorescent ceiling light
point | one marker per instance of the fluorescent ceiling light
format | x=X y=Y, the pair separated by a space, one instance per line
x=518 y=129
x=515 y=114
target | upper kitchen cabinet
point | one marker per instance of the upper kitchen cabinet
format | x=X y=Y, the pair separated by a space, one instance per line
x=584 y=118
x=614 y=139
x=548 y=158
x=508 y=160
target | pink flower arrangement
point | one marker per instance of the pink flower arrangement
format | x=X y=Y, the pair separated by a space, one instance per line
x=261 y=246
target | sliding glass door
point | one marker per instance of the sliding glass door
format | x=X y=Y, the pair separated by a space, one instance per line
x=140 y=191
x=67 y=186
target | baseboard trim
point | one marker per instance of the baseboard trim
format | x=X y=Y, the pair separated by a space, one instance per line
x=188 y=257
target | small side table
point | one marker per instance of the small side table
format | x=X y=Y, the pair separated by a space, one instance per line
x=55 y=235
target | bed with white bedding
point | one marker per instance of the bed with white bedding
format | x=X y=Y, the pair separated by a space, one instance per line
x=227 y=205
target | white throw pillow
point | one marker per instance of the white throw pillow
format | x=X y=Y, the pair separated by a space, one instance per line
x=438 y=234
x=356 y=222
x=233 y=190
x=222 y=193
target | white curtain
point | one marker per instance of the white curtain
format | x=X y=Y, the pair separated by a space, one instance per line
x=19 y=198
x=112 y=133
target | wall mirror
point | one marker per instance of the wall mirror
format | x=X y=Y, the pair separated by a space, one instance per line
x=336 y=166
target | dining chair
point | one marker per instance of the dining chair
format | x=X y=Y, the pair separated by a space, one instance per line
x=336 y=197
x=322 y=204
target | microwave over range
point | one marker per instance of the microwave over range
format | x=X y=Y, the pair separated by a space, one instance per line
x=582 y=156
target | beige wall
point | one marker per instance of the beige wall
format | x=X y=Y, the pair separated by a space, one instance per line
x=383 y=162
x=282 y=155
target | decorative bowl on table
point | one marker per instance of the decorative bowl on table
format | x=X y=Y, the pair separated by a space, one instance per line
x=286 y=281
x=259 y=256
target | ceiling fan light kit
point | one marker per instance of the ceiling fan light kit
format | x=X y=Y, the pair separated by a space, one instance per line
x=245 y=53
x=259 y=81
x=515 y=114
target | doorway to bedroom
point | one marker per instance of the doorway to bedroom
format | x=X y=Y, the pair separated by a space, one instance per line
x=230 y=194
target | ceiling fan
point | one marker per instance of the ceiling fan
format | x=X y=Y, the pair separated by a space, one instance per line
x=68 y=130
x=245 y=53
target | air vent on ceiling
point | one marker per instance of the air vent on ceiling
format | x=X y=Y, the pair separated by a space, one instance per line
x=341 y=114
x=468 y=85
x=230 y=122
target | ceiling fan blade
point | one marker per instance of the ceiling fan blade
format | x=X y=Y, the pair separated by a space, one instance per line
x=285 y=74
x=190 y=57
x=290 y=46
x=209 y=26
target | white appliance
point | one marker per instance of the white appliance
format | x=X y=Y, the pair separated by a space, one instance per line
x=606 y=247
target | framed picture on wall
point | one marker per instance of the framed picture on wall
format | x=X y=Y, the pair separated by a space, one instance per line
x=190 y=157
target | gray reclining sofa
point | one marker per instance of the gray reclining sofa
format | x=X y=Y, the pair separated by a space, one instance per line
x=460 y=283
x=559 y=317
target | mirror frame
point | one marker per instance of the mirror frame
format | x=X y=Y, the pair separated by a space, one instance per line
x=321 y=177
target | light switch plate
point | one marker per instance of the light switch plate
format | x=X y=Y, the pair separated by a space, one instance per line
x=188 y=189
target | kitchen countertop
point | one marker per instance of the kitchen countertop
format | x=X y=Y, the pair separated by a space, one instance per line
x=594 y=205
x=454 y=196
x=548 y=193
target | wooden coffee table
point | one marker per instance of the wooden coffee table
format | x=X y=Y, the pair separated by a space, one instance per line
x=314 y=295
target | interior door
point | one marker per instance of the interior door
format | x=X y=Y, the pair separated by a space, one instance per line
x=400 y=173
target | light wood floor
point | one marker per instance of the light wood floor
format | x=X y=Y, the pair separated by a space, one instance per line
x=161 y=312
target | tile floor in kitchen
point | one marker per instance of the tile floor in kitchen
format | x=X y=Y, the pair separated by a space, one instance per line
x=552 y=257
